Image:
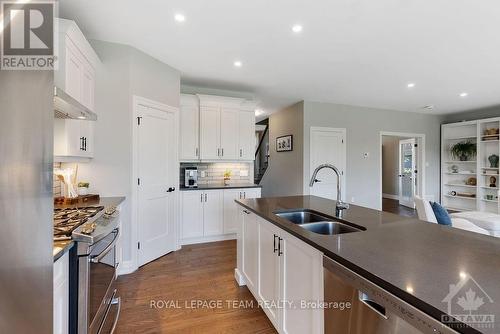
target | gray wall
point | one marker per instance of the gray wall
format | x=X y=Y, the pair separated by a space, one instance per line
x=125 y=72
x=284 y=174
x=26 y=204
x=363 y=135
x=472 y=115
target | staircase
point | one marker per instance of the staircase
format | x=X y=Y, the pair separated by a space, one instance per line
x=262 y=154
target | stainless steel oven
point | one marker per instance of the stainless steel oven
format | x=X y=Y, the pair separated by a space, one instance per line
x=98 y=300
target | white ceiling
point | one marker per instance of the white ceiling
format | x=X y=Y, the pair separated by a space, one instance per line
x=357 y=52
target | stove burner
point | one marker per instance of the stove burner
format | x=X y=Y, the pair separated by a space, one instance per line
x=68 y=219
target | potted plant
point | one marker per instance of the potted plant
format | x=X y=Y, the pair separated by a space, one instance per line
x=227 y=177
x=464 y=150
x=83 y=188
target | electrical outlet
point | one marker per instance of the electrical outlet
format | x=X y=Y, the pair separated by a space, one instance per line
x=203 y=173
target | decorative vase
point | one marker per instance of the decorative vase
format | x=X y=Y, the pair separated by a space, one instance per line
x=82 y=191
x=226 y=181
x=463 y=157
x=493 y=159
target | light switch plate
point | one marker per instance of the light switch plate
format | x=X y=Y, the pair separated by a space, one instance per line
x=203 y=173
x=244 y=172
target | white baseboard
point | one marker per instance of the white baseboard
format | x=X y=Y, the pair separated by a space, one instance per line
x=390 y=196
x=213 y=238
x=239 y=277
x=125 y=268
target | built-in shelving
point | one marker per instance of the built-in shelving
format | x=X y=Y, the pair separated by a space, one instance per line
x=477 y=171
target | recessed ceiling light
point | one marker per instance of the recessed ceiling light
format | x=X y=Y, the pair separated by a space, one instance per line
x=464 y=94
x=297 y=28
x=411 y=85
x=238 y=63
x=180 y=18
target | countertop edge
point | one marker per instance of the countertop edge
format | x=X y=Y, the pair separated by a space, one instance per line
x=401 y=294
x=65 y=247
x=221 y=187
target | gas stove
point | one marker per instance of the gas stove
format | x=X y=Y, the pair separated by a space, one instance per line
x=68 y=219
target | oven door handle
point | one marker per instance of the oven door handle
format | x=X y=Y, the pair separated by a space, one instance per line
x=98 y=257
x=117 y=301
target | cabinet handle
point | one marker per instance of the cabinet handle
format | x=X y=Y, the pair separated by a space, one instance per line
x=279 y=247
x=81 y=143
x=196 y=152
x=205 y=197
x=241 y=152
x=85 y=144
x=218 y=152
x=222 y=150
x=245 y=195
x=274 y=243
x=201 y=198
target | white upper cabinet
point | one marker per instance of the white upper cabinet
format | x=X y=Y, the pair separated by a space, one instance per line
x=246 y=135
x=210 y=133
x=190 y=125
x=229 y=133
x=216 y=128
x=76 y=64
x=73 y=139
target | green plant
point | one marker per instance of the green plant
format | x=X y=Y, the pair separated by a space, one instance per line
x=463 y=150
x=83 y=184
x=227 y=174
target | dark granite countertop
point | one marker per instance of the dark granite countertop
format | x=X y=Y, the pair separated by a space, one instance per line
x=61 y=247
x=414 y=260
x=221 y=186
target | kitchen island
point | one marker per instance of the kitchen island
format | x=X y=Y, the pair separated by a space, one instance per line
x=411 y=259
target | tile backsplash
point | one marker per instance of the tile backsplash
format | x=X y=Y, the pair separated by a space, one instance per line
x=214 y=172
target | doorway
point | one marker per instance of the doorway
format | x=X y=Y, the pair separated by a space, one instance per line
x=328 y=145
x=155 y=180
x=402 y=172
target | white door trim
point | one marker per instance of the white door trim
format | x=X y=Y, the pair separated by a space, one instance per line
x=411 y=141
x=136 y=102
x=344 y=167
x=421 y=160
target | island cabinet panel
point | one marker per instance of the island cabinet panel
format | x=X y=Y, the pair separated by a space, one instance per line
x=250 y=249
x=61 y=295
x=231 y=208
x=289 y=271
x=269 y=270
x=302 y=272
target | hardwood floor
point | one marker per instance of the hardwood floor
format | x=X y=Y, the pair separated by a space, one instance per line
x=391 y=205
x=202 y=272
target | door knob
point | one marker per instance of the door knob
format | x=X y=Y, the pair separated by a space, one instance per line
x=171 y=189
x=316 y=180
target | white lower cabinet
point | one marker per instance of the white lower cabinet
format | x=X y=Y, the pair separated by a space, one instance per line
x=283 y=273
x=211 y=215
x=231 y=208
x=61 y=295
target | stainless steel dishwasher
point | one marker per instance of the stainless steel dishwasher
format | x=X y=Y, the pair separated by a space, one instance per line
x=372 y=310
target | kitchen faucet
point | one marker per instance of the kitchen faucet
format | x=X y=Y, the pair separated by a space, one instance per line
x=340 y=204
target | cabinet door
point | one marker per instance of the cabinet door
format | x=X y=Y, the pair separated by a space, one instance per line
x=269 y=270
x=87 y=135
x=250 y=241
x=213 y=212
x=191 y=214
x=74 y=72
x=301 y=279
x=246 y=136
x=210 y=133
x=189 y=119
x=251 y=193
x=229 y=134
x=231 y=210
x=88 y=87
x=61 y=295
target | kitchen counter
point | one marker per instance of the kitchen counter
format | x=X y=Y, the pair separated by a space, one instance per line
x=221 y=186
x=103 y=201
x=61 y=247
x=414 y=260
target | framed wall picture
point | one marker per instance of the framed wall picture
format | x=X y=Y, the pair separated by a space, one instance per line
x=284 y=143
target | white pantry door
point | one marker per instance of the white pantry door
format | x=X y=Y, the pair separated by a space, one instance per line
x=156 y=143
x=327 y=145
x=407 y=175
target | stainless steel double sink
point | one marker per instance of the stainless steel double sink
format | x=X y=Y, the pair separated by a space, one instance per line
x=318 y=223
